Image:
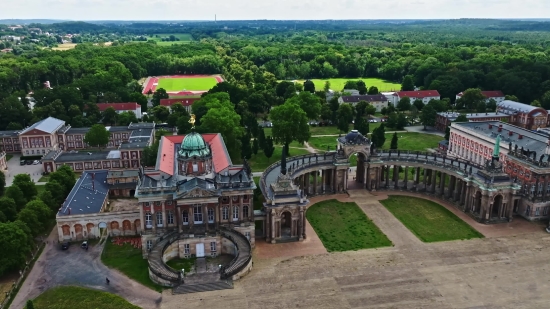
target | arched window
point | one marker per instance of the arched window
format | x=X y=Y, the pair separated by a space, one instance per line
x=159 y=219
x=210 y=215
x=170 y=217
x=225 y=213
x=185 y=217
x=245 y=212
x=235 y=213
x=148 y=220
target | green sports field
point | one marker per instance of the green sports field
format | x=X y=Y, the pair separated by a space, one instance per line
x=189 y=84
x=337 y=84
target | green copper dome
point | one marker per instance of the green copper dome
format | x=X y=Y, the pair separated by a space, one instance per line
x=193 y=145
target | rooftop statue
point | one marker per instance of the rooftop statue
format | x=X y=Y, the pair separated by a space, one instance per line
x=192 y=121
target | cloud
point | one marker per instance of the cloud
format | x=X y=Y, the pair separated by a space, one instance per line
x=280 y=9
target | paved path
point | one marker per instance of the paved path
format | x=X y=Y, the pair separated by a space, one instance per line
x=82 y=268
x=399 y=235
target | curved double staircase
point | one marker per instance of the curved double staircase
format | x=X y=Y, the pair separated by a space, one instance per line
x=167 y=276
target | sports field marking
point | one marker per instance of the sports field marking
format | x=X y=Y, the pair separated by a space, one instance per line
x=187 y=84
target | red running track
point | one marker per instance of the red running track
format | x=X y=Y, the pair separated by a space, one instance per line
x=154 y=80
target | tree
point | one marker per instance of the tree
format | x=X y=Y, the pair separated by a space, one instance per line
x=158 y=95
x=290 y=123
x=261 y=138
x=461 y=118
x=418 y=104
x=56 y=190
x=246 y=149
x=15 y=246
x=373 y=90
x=344 y=116
x=536 y=103
x=545 y=100
x=471 y=98
x=160 y=112
x=481 y=107
x=97 y=136
x=404 y=104
x=362 y=87
x=309 y=86
x=361 y=125
x=393 y=144
x=511 y=97
x=140 y=99
x=428 y=116
x=29 y=304
x=447 y=132
x=326 y=88
x=47 y=198
x=255 y=146
x=9 y=208
x=25 y=183
x=392 y=120
x=378 y=136
x=30 y=218
x=408 y=83
x=371 y=110
x=269 y=148
x=351 y=84
x=15 y=193
x=401 y=121
x=42 y=211
x=109 y=116
x=2 y=183
x=308 y=102
x=492 y=104
x=183 y=125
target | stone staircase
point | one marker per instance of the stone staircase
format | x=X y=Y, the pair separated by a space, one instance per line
x=158 y=267
x=203 y=287
x=243 y=247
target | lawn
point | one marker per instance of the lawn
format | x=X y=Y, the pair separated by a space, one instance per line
x=8 y=157
x=428 y=220
x=337 y=84
x=64 y=46
x=259 y=162
x=344 y=226
x=181 y=36
x=179 y=264
x=321 y=143
x=69 y=297
x=129 y=261
x=413 y=141
x=192 y=84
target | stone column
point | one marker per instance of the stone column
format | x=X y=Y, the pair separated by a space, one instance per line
x=204 y=210
x=301 y=225
x=545 y=185
x=179 y=219
x=323 y=181
x=387 y=176
x=367 y=178
x=433 y=181
x=452 y=181
x=334 y=180
x=406 y=177
x=511 y=203
x=164 y=216
x=141 y=218
x=273 y=226
x=153 y=217
x=458 y=190
x=484 y=208
x=315 y=179
x=442 y=177
x=346 y=176
x=396 y=177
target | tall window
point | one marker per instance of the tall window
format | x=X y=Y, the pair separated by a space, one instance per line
x=225 y=213
x=186 y=249
x=149 y=244
x=185 y=217
x=212 y=246
x=210 y=215
x=170 y=217
x=235 y=213
x=545 y=211
x=537 y=211
x=245 y=212
x=197 y=214
x=148 y=220
x=159 y=219
x=528 y=211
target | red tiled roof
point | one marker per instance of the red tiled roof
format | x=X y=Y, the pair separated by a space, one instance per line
x=220 y=157
x=130 y=106
x=418 y=94
x=184 y=102
x=488 y=94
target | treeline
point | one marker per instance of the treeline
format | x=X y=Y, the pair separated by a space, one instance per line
x=25 y=214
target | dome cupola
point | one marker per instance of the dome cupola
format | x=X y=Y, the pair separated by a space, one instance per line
x=193 y=145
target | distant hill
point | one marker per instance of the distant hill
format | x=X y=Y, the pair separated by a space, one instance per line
x=30 y=21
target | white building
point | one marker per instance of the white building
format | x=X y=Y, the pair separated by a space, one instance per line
x=424 y=95
x=498 y=96
x=122 y=107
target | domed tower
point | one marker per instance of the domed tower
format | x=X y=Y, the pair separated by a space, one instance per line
x=194 y=156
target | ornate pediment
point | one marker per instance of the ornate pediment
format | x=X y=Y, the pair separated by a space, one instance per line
x=197 y=192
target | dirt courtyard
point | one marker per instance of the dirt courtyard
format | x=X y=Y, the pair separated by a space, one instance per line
x=123 y=204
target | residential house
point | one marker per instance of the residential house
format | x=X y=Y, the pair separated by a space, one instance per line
x=424 y=95
x=498 y=96
x=444 y=119
x=122 y=107
x=186 y=102
x=377 y=100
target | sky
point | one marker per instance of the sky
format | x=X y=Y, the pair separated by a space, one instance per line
x=271 y=9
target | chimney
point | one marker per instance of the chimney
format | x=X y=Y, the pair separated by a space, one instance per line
x=510 y=133
x=500 y=129
x=93 y=181
x=69 y=211
x=490 y=126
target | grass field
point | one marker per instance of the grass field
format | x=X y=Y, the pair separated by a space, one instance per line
x=70 y=297
x=259 y=162
x=337 y=84
x=64 y=46
x=178 y=264
x=413 y=141
x=344 y=226
x=129 y=261
x=192 y=84
x=429 y=221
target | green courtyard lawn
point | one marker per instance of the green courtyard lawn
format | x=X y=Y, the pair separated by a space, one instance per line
x=70 y=297
x=413 y=141
x=259 y=162
x=429 y=221
x=321 y=143
x=192 y=84
x=179 y=264
x=129 y=261
x=8 y=157
x=337 y=84
x=344 y=226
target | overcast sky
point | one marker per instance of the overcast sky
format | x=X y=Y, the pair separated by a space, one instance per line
x=265 y=9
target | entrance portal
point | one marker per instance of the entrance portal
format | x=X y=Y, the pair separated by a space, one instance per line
x=497 y=204
x=286 y=224
x=200 y=250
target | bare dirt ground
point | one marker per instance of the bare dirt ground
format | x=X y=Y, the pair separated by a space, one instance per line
x=123 y=204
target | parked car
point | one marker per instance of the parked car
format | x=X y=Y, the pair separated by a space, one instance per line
x=373 y=120
x=29 y=162
x=84 y=245
x=22 y=162
x=65 y=245
x=35 y=162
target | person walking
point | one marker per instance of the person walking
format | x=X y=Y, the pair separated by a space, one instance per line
x=107 y=280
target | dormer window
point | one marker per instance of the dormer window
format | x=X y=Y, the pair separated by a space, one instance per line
x=195 y=167
x=235 y=198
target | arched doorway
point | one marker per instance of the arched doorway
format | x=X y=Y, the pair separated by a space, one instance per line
x=477 y=203
x=497 y=205
x=78 y=231
x=286 y=224
x=358 y=179
x=89 y=228
x=132 y=193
